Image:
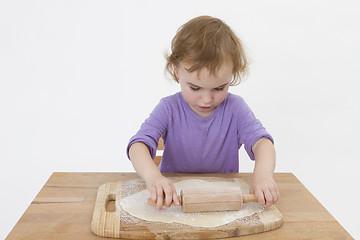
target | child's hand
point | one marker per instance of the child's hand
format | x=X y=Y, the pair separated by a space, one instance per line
x=162 y=191
x=265 y=189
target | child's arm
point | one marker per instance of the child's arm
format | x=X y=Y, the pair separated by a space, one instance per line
x=156 y=183
x=263 y=184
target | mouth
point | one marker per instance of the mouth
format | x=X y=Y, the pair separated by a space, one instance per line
x=204 y=107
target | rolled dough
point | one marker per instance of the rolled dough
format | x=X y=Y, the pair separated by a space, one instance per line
x=137 y=206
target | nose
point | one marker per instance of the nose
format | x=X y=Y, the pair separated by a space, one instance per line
x=207 y=98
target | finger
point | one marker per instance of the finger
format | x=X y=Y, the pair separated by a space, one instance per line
x=168 y=196
x=278 y=193
x=153 y=194
x=275 y=195
x=260 y=197
x=160 y=198
x=268 y=198
x=175 y=197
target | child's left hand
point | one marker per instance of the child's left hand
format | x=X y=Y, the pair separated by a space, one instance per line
x=265 y=189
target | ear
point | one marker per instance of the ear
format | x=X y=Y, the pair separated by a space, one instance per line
x=176 y=71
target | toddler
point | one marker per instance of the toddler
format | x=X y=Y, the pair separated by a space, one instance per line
x=204 y=125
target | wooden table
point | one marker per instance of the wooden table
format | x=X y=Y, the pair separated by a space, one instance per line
x=63 y=209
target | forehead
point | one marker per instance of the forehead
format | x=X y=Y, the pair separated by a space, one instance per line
x=204 y=76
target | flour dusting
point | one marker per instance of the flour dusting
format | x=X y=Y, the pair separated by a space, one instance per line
x=136 y=205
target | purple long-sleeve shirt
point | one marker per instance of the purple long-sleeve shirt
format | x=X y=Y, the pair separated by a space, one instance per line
x=200 y=144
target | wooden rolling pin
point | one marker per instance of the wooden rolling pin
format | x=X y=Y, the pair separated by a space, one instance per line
x=204 y=200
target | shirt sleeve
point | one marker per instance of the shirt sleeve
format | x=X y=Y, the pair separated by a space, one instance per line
x=250 y=129
x=151 y=129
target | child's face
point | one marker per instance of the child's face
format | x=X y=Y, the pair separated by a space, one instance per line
x=202 y=90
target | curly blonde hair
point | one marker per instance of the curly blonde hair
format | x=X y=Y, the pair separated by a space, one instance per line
x=207 y=42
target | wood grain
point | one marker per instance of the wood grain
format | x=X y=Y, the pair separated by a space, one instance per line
x=217 y=197
x=106 y=223
x=120 y=224
x=63 y=209
x=200 y=200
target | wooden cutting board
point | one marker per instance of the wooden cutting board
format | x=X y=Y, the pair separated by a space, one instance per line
x=117 y=223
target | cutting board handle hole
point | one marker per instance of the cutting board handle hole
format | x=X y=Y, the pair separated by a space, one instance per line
x=110 y=203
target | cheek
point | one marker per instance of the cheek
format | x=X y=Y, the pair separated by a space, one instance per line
x=188 y=95
x=220 y=97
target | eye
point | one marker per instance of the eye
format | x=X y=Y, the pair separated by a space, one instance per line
x=195 y=88
x=219 y=89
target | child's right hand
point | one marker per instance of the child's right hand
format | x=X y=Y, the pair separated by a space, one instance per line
x=162 y=191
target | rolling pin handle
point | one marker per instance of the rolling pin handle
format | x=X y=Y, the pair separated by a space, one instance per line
x=249 y=198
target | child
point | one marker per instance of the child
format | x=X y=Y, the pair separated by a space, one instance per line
x=203 y=126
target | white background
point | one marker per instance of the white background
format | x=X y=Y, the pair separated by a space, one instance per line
x=77 y=78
